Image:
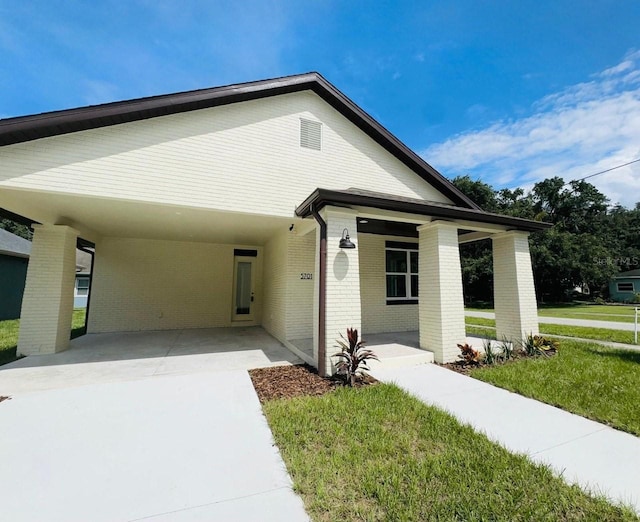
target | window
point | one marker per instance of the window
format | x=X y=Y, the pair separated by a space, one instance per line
x=625 y=287
x=401 y=272
x=82 y=286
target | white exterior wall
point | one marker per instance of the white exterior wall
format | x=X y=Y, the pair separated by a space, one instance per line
x=158 y=285
x=514 y=291
x=377 y=316
x=343 y=304
x=274 y=319
x=243 y=157
x=47 y=304
x=441 y=306
x=300 y=292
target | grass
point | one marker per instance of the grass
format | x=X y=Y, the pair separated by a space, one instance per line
x=583 y=332
x=9 y=334
x=584 y=378
x=617 y=313
x=376 y=453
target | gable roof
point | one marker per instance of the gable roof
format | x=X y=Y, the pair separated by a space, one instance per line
x=630 y=273
x=12 y=245
x=28 y=128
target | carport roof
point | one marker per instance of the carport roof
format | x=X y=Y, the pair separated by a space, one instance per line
x=356 y=197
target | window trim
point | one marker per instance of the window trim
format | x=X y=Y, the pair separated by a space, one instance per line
x=407 y=248
x=625 y=283
x=77 y=287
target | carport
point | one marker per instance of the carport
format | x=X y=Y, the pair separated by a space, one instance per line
x=116 y=357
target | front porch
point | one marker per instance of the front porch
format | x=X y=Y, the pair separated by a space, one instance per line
x=394 y=349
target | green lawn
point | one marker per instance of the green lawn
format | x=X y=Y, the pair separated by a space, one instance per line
x=377 y=453
x=9 y=334
x=619 y=313
x=584 y=378
x=584 y=332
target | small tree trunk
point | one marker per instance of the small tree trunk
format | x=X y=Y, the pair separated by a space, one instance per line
x=352 y=381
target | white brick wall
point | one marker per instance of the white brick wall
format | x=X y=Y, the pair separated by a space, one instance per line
x=301 y=259
x=241 y=157
x=343 y=281
x=441 y=306
x=377 y=316
x=157 y=285
x=47 y=305
x=514 y=292
x=274 y=319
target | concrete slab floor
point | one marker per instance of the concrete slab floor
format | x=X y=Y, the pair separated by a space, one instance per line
x=187 y=447
x=113 y=357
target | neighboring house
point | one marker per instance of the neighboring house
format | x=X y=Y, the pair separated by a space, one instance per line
x=14 y=257
x=625 y=286
x=236 y=206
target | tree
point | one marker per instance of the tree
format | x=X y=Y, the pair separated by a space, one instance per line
x=16 y=228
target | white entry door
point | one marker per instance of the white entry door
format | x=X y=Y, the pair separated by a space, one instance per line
x=244 y=275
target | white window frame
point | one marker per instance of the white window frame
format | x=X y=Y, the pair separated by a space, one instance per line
x=407 y=274
x=626 y=283
x=77 y=294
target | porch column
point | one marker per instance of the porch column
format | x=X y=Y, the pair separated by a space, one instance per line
x=47 y=305
x=441 y=305
x=514 y=293
x=342 y=283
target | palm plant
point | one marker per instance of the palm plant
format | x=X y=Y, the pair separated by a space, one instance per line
x=353 y=356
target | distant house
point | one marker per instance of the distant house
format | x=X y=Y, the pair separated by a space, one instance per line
x=14 y=258
x=624 y=287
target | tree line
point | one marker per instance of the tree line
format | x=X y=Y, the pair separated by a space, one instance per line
x=589 y=243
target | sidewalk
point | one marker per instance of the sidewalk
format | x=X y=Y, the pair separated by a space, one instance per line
x=610 y=325
x=598 y=458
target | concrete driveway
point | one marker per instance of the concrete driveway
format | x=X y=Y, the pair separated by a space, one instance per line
x=182 y=446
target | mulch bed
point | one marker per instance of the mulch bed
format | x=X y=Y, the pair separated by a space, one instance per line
x=285 y=382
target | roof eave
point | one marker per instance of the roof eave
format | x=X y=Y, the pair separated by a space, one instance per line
x=323 y=197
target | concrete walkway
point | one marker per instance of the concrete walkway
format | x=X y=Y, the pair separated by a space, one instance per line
x=169 y=448
x=598 y=458
x=610 y=325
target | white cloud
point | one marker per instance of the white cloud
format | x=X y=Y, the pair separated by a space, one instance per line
x=578 y=131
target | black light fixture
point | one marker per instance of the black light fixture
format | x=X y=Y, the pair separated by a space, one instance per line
x=345 y=242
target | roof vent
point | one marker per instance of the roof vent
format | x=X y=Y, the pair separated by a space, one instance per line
x=310 y=134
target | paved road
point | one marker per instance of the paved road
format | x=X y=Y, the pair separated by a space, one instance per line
x=170 y=448
x=583 y=451
x=611 y=325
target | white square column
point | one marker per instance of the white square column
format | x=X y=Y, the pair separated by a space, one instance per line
x=513 y=289
x=47 y=305
x=440 y=301
x=343 y=309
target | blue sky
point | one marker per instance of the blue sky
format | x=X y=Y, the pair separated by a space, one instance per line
x=507 y=91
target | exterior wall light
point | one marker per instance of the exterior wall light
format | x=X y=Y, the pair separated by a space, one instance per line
x=345 y=242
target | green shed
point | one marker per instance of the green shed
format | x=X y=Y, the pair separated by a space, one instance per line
x=625 y=286
x=14 y=258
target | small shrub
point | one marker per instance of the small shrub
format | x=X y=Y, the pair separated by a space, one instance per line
x=353 y=357
x=534 y=345
x=489 y=355
x=468 y=355
x=506 y=349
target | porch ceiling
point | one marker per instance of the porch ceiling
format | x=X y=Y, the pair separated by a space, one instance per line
x=95 y=217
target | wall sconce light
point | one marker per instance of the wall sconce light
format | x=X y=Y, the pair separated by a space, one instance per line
x=345 y=242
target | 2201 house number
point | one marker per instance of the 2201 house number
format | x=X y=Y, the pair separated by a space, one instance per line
x=306 y=275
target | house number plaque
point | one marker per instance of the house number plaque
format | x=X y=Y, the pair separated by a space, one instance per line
x=306 y=275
